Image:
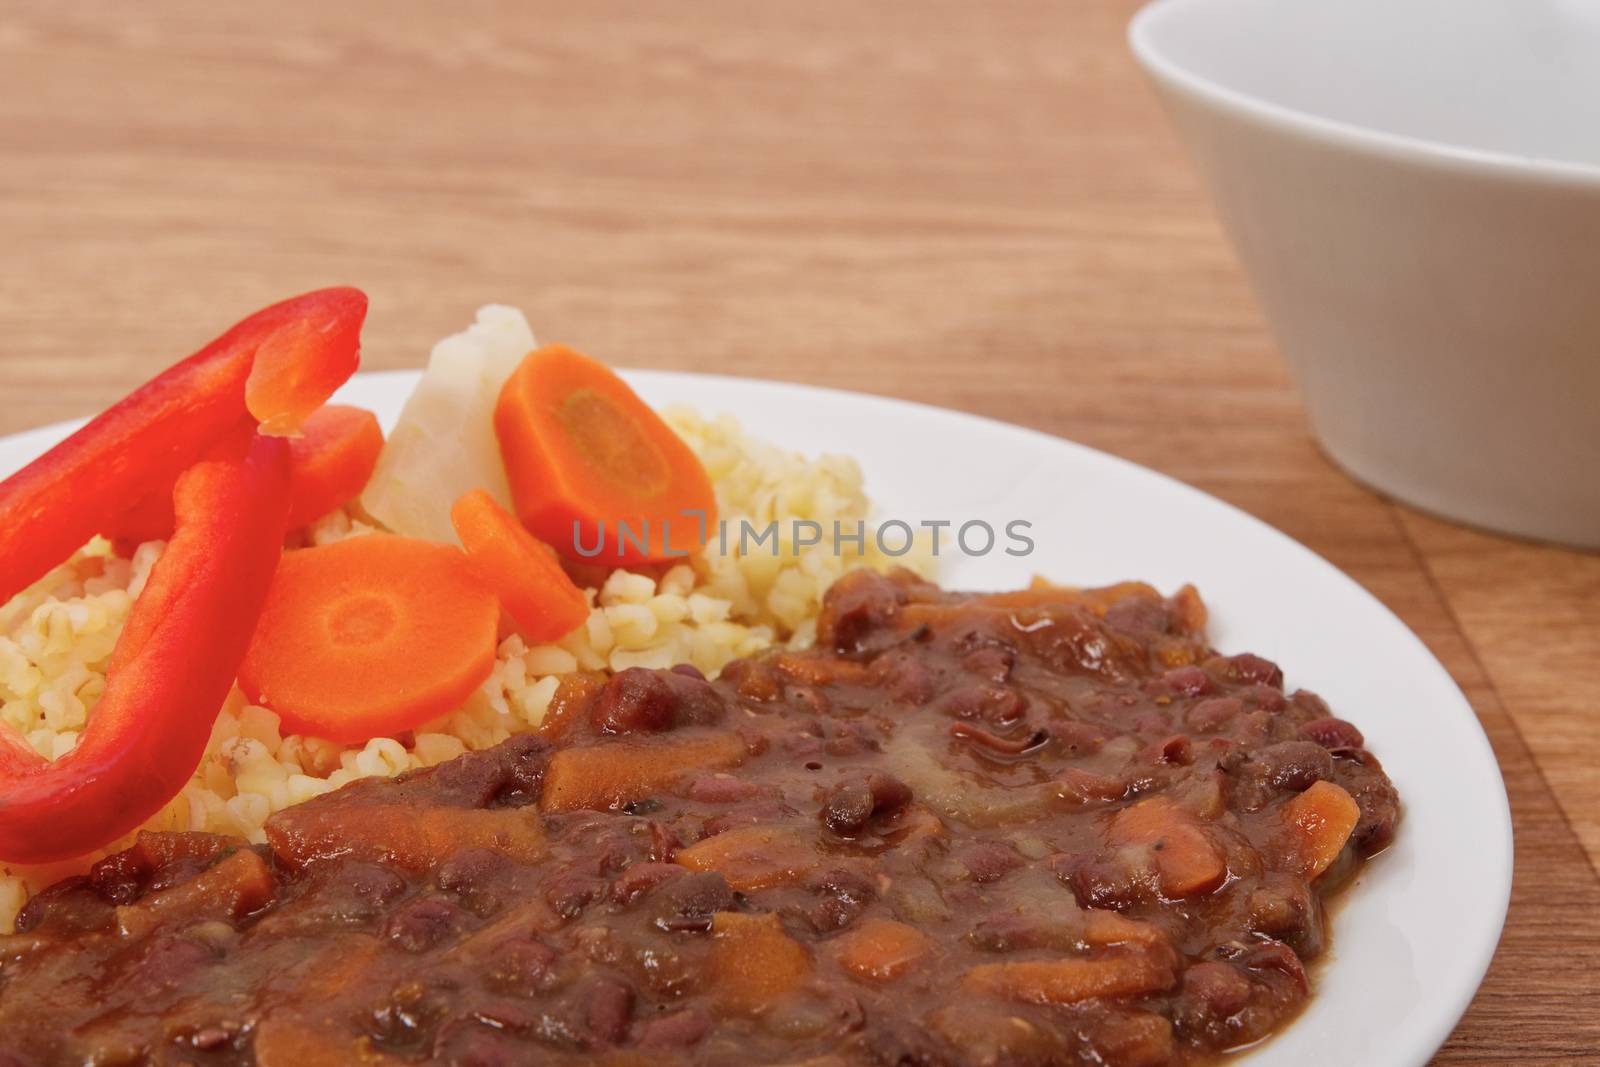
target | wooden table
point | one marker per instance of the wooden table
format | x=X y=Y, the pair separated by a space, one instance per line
x=974 y=205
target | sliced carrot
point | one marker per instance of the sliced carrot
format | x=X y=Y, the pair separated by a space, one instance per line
x=329 y=463
x=370 y=636
x=331 y=460
x=570 y=703
x=754 y=857
x=583 y=453
x=409 y=837
x=880 y=949
x=1068 y=980
x=1187 y=862
x=235 y=886
x=1042 y=594
x=603 y=775
x=522 y=570
x=752 y=961
x=1101 y=927
x=1317 y=823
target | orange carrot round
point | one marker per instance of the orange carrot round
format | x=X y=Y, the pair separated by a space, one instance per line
x=521 y=569
x=584 y=454
x=370 y=636
x=331 y=460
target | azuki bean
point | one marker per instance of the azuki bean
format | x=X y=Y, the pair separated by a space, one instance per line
x=643 y=701
x=852 y=804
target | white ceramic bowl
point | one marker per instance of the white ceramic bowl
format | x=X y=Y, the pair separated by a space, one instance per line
x=1414 y=189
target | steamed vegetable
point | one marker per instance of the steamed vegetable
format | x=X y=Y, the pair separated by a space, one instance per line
x=522 y=570
x=591 y=467
x=444 y=444
x=371 y=636
x=170 y=672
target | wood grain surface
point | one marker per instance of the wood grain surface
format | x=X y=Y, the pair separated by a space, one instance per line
x=974 y=205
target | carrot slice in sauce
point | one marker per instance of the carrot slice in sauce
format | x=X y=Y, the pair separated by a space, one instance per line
x=881 y=949
x=521 y=569
x=753 y=857
x=752 y=961
x=1186 y=861
x=370 y=636
x=583 y=453
x=604 y=775
x=1318 y=822
x=1068 y=980
x=409 y=837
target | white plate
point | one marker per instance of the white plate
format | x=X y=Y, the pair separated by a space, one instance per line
x=1413 y=937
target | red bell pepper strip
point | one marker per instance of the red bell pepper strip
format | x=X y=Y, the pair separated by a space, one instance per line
x=275 y=367
x=170 y=672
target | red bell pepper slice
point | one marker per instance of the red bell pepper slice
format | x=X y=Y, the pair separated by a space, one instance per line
x=170 y=672
x=275 y=367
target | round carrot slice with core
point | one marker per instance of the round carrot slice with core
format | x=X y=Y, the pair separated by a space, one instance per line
x=521 y=569
x=370 y=636
x=593 y=471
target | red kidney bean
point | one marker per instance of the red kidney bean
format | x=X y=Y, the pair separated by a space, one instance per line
x=1213 y=713
x=1330 y=732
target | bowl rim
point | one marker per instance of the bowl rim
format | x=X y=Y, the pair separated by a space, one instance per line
x=1349 y=136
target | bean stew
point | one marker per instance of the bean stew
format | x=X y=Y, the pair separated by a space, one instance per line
x=1043 y=827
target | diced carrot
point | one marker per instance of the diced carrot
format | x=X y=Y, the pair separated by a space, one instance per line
x=1043 y=594
x=370 y=636
x=1102 y=927
x=754 y=857
x=609 y=773
x=1068 y=980
x=1192 y=613
x=815 y=670
x=234 y=887
x=1318 y=823
x=1186 y=861
x=880 y=949
x=570 y=703
x=583 y=453
x=157 y=848
x=330 y=461
x=281 y=1041
x=752 y=961
x=521 y=569
x=410 y=837
x=1134 y=1037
